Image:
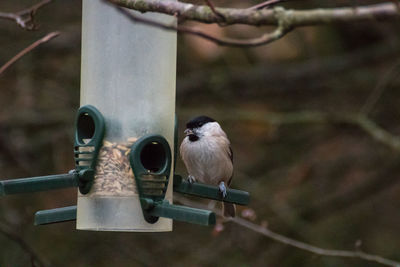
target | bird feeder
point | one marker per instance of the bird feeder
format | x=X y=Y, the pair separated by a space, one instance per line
x=125 y=133
x=128 y=74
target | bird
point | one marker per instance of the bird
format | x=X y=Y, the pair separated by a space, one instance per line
x=208 y=157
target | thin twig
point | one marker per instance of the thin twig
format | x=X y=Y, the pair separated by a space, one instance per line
x=265 y=4
x=212 y=7
x=292 y=242
x=45 y=39
x=35 y=258
x=380 y=87
x=279 y=32
x=25 y=18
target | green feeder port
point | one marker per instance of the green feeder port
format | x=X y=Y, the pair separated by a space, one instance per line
x=89 y=134
x=151 y=160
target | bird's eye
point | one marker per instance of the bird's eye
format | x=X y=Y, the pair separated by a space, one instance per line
x=201 y=124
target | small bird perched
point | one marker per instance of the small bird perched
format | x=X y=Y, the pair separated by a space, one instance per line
x=208 y=157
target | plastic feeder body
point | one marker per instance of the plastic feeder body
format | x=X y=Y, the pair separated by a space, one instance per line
x=128 y=74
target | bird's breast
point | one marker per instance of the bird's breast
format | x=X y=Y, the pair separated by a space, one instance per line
x=207 y=159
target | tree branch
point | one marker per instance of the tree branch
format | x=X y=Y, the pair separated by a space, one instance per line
x=293 y=18
x=365 y=124
x=25 y=18
x=45 y=39
x=266 y=38
x=292 y=242
x=361 y=121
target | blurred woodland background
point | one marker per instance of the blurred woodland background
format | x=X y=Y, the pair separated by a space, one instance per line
x=305 y=116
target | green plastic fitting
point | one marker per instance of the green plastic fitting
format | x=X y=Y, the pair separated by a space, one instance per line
x=40 y=183
x=211 y=192
x=150 y=159
x=55 y=215
x=89 y=134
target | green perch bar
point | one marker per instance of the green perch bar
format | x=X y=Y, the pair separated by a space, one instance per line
x=39 y=183
x=179 y=213
x=55 y=215
x=211 y=192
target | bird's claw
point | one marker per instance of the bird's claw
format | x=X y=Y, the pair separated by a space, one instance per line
x=191 y=179
x=222 y=189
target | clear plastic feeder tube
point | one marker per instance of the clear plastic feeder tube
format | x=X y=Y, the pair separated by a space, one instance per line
x=128 y=74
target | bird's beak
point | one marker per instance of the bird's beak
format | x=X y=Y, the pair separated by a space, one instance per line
x=188 y=132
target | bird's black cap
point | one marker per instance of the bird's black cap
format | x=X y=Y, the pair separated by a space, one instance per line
x=198 y=122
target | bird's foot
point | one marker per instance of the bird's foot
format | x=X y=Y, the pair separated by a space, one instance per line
x=191 y=179
x=222 y=189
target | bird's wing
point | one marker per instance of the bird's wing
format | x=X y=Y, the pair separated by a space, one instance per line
x=230 y=153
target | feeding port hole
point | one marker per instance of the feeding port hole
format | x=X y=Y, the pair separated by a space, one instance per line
x=86 y=128
x=153 y=157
